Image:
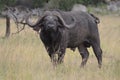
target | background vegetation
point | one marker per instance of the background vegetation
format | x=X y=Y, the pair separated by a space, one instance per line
x=62 y=4
x=23 y=56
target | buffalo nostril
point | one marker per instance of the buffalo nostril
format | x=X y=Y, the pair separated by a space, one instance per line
x=50 y=26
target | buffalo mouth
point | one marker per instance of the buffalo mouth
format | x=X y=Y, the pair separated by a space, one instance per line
x=49 y=29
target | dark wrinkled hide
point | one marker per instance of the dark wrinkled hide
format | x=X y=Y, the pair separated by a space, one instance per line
x=56 y=37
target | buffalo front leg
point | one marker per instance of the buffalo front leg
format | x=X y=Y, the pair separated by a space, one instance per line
x=53 y=58
x=84 y=53
x=52 y=55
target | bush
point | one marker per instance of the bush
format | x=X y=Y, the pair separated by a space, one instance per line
x=61 y=4
x=68 y=4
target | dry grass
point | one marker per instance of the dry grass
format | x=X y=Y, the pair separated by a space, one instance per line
x=23 y=57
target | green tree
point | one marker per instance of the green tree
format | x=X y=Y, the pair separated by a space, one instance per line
x=61 y=4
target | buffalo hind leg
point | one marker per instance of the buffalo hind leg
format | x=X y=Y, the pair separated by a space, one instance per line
x=98 y=53
x=84 y=53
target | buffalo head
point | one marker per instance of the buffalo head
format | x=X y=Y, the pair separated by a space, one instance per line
x=50 y=21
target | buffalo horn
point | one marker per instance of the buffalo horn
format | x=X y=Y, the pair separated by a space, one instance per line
x=63 y=22
x=30 y=23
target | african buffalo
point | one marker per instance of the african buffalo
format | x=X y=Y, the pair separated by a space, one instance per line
x=75 y=29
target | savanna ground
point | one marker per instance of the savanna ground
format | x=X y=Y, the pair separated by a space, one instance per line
x=23 y=56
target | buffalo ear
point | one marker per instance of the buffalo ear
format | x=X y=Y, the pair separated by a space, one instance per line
x=38 y=27
x=60 y=24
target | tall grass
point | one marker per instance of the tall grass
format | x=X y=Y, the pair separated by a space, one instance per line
x=23 y=57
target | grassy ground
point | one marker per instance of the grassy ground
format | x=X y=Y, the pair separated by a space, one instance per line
x=23 y=57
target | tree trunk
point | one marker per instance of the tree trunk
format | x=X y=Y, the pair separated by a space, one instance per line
x=7 y=34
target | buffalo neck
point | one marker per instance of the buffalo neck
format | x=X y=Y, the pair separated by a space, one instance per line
x=52 y=38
